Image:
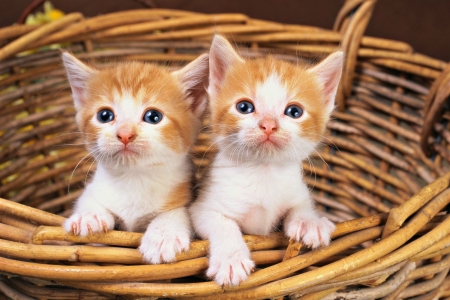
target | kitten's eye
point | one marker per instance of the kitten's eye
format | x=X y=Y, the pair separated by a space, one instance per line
x=293 y=111
x=245 y=107
x=105 y=116
x=152 y=116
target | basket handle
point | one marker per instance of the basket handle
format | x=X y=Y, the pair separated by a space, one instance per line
x=439 y=92
x=351 y=21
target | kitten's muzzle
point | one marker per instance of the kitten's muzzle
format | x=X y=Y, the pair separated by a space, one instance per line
x=268 y=126
x=126 y=137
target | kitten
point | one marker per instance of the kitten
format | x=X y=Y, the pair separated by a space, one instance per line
x=266 y=117
x=138 y=121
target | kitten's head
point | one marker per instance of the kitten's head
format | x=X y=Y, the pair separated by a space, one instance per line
x=135 y=113
x=266 y=109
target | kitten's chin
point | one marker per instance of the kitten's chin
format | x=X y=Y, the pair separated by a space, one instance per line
x=261 y=149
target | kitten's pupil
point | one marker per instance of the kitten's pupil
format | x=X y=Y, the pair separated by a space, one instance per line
x=152 y=116
x=245 y=107
x=105 y=116
x=294 y=111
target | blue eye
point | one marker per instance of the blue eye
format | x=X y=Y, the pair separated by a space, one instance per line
x=152 y=116
x=105 y=116
x=293 y=111
x=245 y=107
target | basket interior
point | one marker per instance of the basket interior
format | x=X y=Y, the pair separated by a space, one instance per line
x=369 y=160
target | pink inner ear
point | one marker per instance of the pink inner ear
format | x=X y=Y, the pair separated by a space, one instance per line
x=217 y=79
x=331 y=83
x=217 y=70
x=221 y=57
x=330 y=88
x=329 y=73
x=79 y=94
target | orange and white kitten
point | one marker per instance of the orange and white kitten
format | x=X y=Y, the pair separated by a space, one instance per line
x=266 y=117
x=138 y=121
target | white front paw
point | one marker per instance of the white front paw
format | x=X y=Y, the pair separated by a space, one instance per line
x=158 y=246
x=230 y=269
x=313 y=232
x=88 y=223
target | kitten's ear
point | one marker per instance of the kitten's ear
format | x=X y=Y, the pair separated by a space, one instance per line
x=194 y=79
x=221 y=57
x=78 y=74
x=329 y=73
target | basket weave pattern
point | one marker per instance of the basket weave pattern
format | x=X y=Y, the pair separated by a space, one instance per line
x=382 y=174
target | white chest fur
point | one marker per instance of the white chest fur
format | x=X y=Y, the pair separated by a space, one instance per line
x=133 y=193
x=255 y=196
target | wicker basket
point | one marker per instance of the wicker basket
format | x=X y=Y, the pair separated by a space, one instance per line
x=383 y=176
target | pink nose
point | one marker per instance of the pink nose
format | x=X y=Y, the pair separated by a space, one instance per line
x=126 y=137
x=269 y=126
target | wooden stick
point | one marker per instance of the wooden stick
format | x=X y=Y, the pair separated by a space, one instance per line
x=20 y=43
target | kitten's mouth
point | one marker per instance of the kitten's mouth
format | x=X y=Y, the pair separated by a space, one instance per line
x=271 y=141
x=126 y=151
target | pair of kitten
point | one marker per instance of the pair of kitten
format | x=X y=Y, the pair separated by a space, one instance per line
x=139 y=122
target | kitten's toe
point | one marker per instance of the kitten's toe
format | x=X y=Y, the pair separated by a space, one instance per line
x=159 y=247
x=88 y=223
x=232 y=270
x=72 y=224
x=313 y=232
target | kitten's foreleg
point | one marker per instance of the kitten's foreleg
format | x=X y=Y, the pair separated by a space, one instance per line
x=229 y=260
x=168 y=234
x=89 y=217
x=303 y=223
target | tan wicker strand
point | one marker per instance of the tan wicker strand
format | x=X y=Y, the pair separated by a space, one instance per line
x=201 y=289
x=350 y=44
x=434 y=106
x=387 y=272
x=16 y=30
x=436 y=247
x=407 y=67
x=379 y=43
x=20 y=43
x=28 y=213
x=410 y=250
x=430 y=285
x=98 y=23
x=352 y=262
x=14 y=234
x=381 y=290
x=433 y=268
x=42 y=292
x=112 y=254
x=345 y=11
x=174 y=23
x=398 y=215
x=11 y=293
x=319 y=295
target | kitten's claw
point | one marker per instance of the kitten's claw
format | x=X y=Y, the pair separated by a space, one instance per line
x=105 y=227
x=159 y=245
x=231 y=270
x=314 y=232
x=75 y=228
x=88 y=223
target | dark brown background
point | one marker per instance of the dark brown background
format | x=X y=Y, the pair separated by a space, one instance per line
x=423 y=24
